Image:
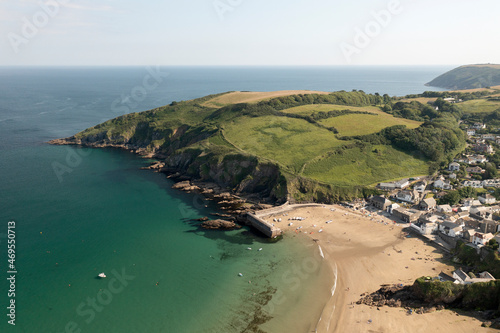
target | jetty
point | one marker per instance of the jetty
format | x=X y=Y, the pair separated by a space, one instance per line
x=256 y=219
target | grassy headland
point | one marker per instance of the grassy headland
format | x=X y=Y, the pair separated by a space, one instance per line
x=303 y=146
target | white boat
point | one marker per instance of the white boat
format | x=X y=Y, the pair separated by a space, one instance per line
x=239 y=274
x=260 y=249
x=249 y=248
x=102 y=275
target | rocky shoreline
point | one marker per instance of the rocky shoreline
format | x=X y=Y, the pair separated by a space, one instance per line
x=400 y=296
x=233 y=209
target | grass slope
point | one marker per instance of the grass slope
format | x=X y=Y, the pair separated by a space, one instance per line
x=365 y=166
x=287 y=141
x=363 y=124
x=479 y=106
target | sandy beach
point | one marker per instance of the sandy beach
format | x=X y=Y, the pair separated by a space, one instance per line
x=367 y=252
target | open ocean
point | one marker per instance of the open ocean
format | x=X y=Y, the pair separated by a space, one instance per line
x=104 y=214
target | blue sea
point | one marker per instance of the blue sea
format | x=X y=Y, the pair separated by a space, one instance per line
x=79 y=212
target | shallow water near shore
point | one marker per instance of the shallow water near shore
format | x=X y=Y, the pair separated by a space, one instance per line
x=111 y=217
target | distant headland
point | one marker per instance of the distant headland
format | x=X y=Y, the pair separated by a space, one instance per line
x=469 y=77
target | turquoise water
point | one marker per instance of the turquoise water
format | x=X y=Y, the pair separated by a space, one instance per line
x=98 y=212
x=107 y=215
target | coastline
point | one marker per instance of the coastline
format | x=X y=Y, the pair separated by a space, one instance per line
x=368 y=252
x=362 y=253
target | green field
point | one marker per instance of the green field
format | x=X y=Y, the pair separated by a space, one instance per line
x=354 y=124
x=362 y=124
x=479 y=105
x=366 y=166
x=290 y=142
x=309 y=109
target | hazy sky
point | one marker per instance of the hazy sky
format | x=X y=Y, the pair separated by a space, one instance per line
x=249 y=32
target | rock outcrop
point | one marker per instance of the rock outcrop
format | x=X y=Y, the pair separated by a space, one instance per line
x=219 y=225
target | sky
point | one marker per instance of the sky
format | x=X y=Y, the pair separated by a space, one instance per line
x=248 y=32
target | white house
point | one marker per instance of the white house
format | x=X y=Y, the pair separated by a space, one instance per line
x=442 y=184
x=476 y=159
x=420 y=186
x=468 y=202
x=451 y=229
x=462 y=278
x=425 y=228
x=481 y=239
x=391 y=208
x=490 y=137
x=471 y=132
x=400 y=184
x=452 y=175
x=487 y=199
x=454 y=166
x=478 y=126
x=491 y=183
x=408 y=196
x=473 y=183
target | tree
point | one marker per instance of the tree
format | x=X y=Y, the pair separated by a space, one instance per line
x=493 y=244
x=491 y=171
x=451 y=198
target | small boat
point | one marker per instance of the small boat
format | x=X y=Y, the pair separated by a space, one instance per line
x=102 y=275
x=260 y=249
x=239 y=274
x=249 y=248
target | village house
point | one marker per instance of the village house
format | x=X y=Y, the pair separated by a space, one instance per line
x=439 y=195
x=391 y=208
x=408 y=196
x=468 y=234
x=471 y=132
x=400 y=184
x=477 y=126
x=480 y=239
x=452 y=175
x=406 y=215
x=487 y=199
x=489 y=137
x=473 y=183
x=454 y=166
x=491 y=183
x=488 y=226
x=444 y=209
x=420 y=186
x=462 y=278
x=495 y=209
x=483 y=148
x=475 y=159
x=481 y=213
x=380 y=202
x=427 y=204
x=468 y=202
x=451 y=229
x=475 y=169
x=442 y=184
x=426 y=224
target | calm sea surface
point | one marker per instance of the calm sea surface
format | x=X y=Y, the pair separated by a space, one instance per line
x=104 y=214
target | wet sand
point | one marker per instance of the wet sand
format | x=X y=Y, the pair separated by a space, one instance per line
x=367 y=252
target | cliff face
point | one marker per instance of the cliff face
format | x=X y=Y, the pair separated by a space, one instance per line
x=242 y=174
